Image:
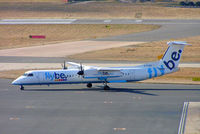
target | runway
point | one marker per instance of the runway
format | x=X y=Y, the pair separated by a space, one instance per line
x=126 y=108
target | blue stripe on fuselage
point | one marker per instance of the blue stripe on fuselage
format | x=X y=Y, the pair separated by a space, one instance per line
x=54 y=83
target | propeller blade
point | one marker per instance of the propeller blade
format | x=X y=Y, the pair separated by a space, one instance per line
x=81 y=72
x=74 y=64
x=81 y=66
x=64 y=65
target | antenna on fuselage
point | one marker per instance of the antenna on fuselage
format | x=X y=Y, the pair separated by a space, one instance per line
x=81 y=72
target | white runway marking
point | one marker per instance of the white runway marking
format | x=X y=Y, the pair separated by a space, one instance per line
x=107 y=21
x=183 y=118
x=29 y=107
x=119 y=129
x=107 y=102
x=37 y=21
x=138 y=98
x=30 y=20
x=14 y=118
x=138 y=21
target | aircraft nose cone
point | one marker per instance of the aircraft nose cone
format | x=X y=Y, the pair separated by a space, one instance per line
x=15 y=82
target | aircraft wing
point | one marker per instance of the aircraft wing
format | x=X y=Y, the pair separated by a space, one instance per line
x=104 y=69
x=104 y=73
x=101 y=73
x=78 y=65
x=74 y=64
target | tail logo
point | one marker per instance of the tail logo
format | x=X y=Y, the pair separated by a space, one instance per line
x=175 y=56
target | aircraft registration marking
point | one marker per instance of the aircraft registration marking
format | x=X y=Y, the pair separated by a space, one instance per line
x=108 y=102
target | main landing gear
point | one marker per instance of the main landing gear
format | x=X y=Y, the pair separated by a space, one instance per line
x=22 y=87
x=106 y=87
x=89 y=85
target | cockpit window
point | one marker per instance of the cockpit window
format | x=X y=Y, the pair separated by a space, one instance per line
x=28 y=74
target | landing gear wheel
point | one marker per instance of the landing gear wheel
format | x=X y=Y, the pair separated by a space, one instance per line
x=106 y=87
x=22 y=87
x=89 y=85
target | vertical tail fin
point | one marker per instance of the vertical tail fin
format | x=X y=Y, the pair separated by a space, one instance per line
x=173 y=54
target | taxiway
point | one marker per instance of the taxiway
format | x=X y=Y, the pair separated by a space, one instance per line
x=126 y=108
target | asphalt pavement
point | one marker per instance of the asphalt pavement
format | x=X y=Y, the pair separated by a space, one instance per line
x=166 y=32
x=126 y=108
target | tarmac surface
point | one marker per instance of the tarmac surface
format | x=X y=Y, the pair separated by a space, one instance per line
x=126 y=108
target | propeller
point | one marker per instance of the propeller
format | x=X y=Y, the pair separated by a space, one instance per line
x=81 y=72
x=63 y=66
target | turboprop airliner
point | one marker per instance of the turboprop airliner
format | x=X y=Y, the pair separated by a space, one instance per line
x=78 y=73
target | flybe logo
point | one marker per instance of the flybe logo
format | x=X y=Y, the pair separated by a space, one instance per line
x=55 y=76
x=154 y=69
x=175 y=56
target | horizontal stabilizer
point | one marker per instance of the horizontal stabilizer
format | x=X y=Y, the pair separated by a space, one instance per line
x=177 y=43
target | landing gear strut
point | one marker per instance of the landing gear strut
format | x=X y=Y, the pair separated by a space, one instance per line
x=106 y=87
x=22 y=87
x=89 y=85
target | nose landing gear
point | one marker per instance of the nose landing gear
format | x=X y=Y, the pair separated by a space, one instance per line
x=22 y=87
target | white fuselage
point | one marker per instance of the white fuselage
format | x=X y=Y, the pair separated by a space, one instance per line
x=47 y=77
x=89 y=74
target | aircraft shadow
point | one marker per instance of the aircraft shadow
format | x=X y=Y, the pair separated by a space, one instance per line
x=119 y=90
